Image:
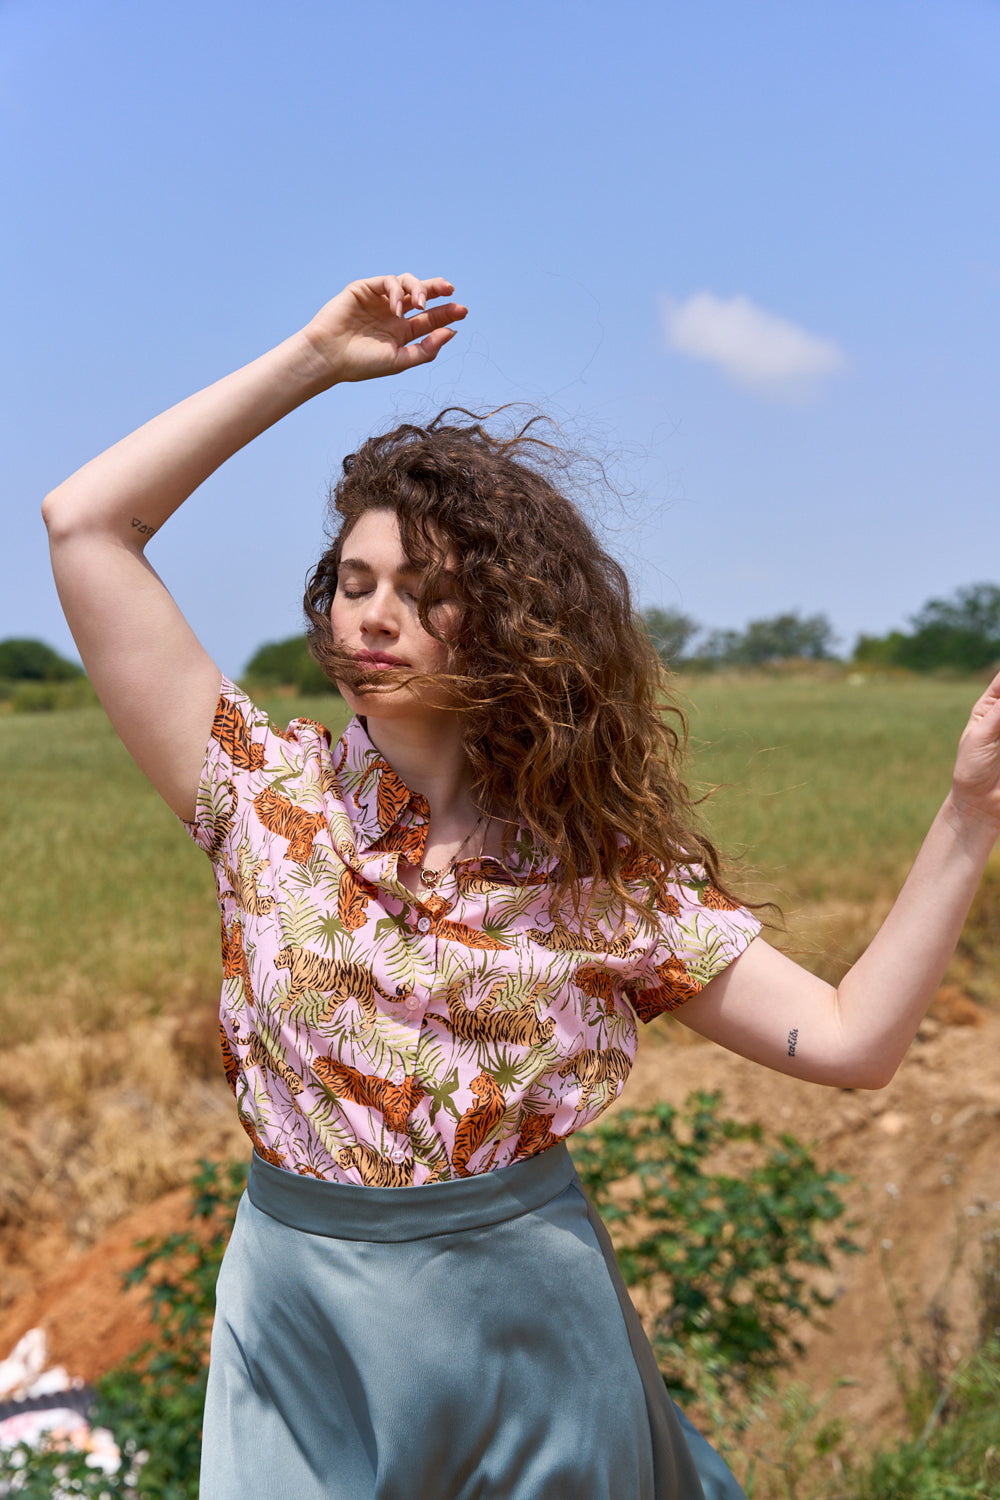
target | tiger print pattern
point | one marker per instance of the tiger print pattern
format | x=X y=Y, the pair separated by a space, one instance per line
x=229 y=1063
x=394 y=1101
x=353 y=896
x=338 y=981
x=234 y=959
x=258 y=1056
x=231 y=730
x=593 y=1068
x=282 y=817
x=478 y=1122
x=244 y=884
x=676 y=985
x=561 y=939
x=598 y=983
x=379 y=1035
x=374 y=1169
x=518 y=1026
x=535 y=1135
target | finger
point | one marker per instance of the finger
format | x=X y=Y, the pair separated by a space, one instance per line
x=426 y=350
x=421 y=324
x=391 y=289
x=414 y=289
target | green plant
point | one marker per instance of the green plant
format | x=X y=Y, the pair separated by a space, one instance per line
x=154 y=1401
x=724 y=1253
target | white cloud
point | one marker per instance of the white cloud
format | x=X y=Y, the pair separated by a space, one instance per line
x=756 y=348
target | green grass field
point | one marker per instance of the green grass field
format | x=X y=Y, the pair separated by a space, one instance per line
x=826 y=786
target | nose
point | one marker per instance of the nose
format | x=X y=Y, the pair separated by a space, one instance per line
x=380 y=616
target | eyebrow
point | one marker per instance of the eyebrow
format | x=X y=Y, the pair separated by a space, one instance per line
x=411 y=570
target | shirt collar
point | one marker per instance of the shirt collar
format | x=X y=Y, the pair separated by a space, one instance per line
x=387 y=816
x=378 y=801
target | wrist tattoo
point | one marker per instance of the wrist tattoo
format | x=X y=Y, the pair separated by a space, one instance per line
x=793 y=1037
x=142 y=528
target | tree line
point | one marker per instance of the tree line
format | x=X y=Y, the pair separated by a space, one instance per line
x=960 y=634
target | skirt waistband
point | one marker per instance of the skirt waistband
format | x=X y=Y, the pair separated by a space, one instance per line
x=345 y=1211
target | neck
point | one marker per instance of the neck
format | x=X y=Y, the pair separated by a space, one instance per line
x=430 y=758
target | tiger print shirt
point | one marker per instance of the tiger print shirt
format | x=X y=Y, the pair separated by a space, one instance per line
x=374 y=1037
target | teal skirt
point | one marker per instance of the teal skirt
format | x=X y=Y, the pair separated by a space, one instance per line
x=463 y=1340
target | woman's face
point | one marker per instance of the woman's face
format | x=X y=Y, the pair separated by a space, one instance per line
x=374 y=616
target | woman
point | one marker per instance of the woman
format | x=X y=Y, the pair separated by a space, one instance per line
x=438 y=938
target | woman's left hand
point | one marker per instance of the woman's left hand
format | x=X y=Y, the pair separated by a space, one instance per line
x=976 y=783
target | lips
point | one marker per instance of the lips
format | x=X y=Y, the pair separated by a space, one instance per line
x=378 y=659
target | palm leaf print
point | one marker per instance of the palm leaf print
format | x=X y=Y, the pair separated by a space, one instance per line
x=301 y=924
x=428 y=1149
x=508 y=1069
x=324 y=1117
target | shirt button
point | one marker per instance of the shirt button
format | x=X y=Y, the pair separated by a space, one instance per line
x=423 y=924
x=397 y=1154
x=398 y=1076
x=412 y=1002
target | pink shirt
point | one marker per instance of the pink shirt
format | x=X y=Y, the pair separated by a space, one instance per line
x=376 y=1037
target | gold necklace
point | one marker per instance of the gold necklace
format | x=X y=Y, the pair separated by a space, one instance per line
x=432 y=878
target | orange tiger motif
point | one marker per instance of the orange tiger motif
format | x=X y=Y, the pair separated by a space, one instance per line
x=375 y=1170
x=292 y=736
x=295 y=824
x=638 y=866
x=259 y=1057
x=396 y=1102
x=244 y=883
x=275 y=1158
x=409 y=842
x=234 y=959
x=489 y=876
x=392 y=796
x=676 y=986
x=563 y=940
x=518 y=1026
x=713 y=898
x=593 y=1068
x=229 y=1061
x=469 y=937
x=478 y=1122
x=353 y=895
x=535 y=1135
x=599 y=984
x=231 y=730
x=329 y=976
x=330 y=783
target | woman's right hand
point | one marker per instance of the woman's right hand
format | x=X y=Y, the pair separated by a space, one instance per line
x=365 y=332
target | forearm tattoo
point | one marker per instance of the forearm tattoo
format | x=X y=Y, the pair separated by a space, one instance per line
x=142 y=528
x=793 y=1037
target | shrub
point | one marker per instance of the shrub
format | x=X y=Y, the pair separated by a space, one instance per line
x=33 y=661
x=726 y=1253
x=154 y=1401
x=288 y=664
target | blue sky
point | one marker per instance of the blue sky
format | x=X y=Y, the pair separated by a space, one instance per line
x=746 y=251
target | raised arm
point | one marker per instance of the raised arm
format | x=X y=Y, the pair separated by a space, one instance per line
x=157 y=683
x=770 y=1009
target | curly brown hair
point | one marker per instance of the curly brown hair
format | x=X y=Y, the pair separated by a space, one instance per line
x=569 y=724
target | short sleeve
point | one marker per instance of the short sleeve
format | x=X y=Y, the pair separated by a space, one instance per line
x=240 y=745
x=700 y=932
